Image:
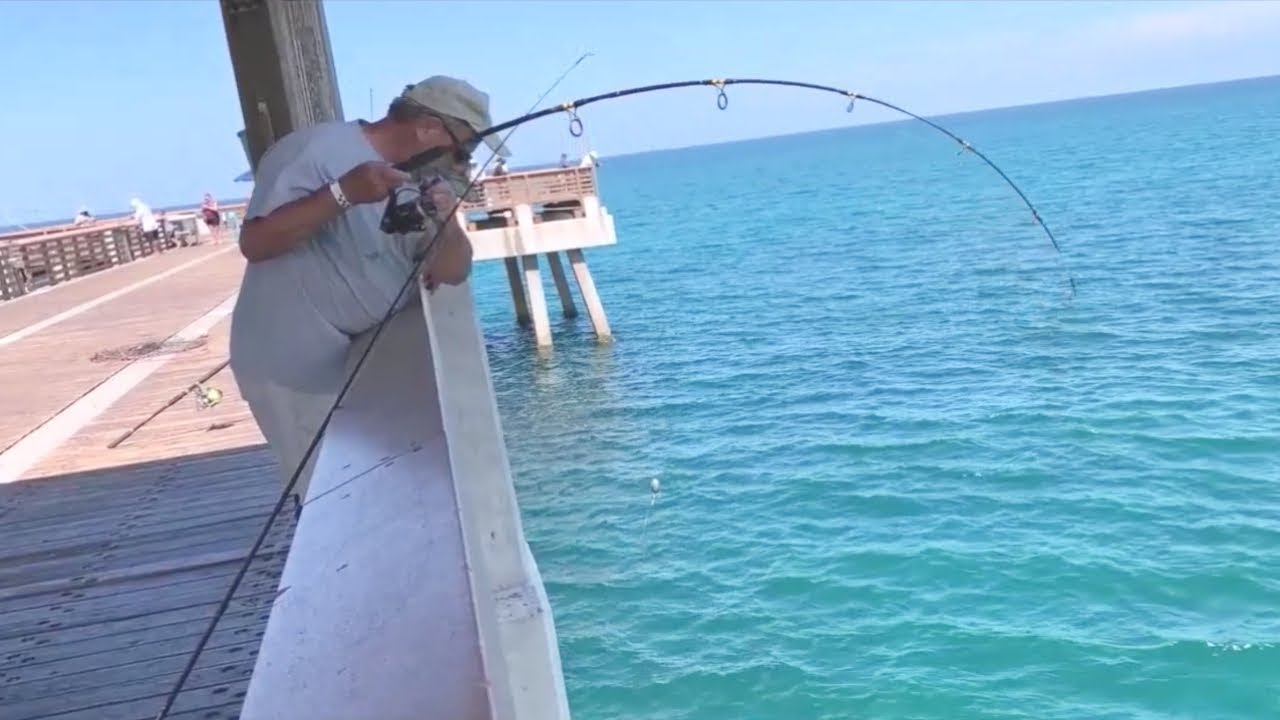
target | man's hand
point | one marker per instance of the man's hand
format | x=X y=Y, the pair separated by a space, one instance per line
x=452 y=263
x=442 y=197
x=371 y=182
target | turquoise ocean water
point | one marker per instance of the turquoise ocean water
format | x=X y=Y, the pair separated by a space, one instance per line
x=904 y=475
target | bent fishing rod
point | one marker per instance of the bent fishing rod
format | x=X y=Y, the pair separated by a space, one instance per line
x=411 y=217
x=722 y=101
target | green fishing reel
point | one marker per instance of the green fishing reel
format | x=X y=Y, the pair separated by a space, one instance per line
x=207 y=397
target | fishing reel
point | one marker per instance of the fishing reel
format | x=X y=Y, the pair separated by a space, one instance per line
x=409 y=208
x=207 y=397
x=404 y=216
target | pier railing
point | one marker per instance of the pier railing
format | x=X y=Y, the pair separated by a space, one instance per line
x=37 y=258
x=556 y=186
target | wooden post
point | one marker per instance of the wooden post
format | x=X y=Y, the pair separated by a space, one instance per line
x=538 y=301
x=283 y=68
x=517 y=290
x=562 y=285
x=589 y=297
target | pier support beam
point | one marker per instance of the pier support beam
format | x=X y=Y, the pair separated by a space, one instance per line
x=537 y=301
x=569 y=220
x=562 y=286
x=532 y=278
x=517 y=290
x=587 y=286
x=283 y=67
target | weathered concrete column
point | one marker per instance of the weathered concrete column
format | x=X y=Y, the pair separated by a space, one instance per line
x=517 y=290
x=587 y=286
x=532 y=278
x=562 y=286
x=283 y=66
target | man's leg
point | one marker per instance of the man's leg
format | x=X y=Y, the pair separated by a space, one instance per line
x=289 y=421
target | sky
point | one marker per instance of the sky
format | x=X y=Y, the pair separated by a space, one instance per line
x=103 y=101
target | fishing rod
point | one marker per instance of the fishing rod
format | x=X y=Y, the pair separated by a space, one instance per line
x=411 y=217
x=722 y=101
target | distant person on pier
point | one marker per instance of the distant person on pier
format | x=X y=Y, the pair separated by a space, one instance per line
x=499 y=167
x=564 y=160
x=321 y=272
x=212 y=217
x=143 y=216
x=82 y=217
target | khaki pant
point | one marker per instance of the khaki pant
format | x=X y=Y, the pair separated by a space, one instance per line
x=289 y=419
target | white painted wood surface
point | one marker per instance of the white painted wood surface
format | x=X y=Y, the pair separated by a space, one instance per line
x=490 y=515
x=594 y=230
x=409 y=591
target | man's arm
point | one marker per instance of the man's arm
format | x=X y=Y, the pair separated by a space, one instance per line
x=291 y=224
x=286 y=227
x=452 y=263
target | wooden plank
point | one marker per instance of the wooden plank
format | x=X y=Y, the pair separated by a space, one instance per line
x=33 y=447
x=32 y=543
x=43 y=315
x=149 y=314
x=159 y=496
x=81 y=565
x=143 y=477
x=142 y=703
x=133 y=522
x=138 y=506
x=158 y=659
x=55 y=652
x=180 y=621
x=129 y=579
x=182 y=429
x=93 y=609
x=99 y=614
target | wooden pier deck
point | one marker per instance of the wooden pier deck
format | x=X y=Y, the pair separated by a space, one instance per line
x=112 y=561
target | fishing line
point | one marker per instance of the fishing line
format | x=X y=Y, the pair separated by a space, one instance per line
x=423 y=261
x=655 y=489
x=576 y=129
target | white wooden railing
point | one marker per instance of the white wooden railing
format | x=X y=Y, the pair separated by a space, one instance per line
x=409 y=591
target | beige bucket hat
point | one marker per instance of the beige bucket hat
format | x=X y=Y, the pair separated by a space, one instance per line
x=458 y=99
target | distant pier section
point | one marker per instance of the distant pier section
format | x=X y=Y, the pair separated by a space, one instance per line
x=37 y=258
x=520 y=215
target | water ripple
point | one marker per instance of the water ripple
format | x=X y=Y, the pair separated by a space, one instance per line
x=903 y=475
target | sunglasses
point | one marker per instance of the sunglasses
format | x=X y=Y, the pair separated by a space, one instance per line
x=461 y=151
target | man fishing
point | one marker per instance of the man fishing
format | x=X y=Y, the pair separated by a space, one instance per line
x=321 y=272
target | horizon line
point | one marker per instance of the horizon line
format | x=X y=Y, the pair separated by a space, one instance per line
x=951 y=114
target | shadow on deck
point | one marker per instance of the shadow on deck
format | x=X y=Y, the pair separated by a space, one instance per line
x=109 y=577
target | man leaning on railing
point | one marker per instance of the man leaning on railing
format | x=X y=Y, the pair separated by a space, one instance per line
x=321 y=272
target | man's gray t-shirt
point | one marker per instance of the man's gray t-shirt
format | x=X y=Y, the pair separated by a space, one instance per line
x=297 y=310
